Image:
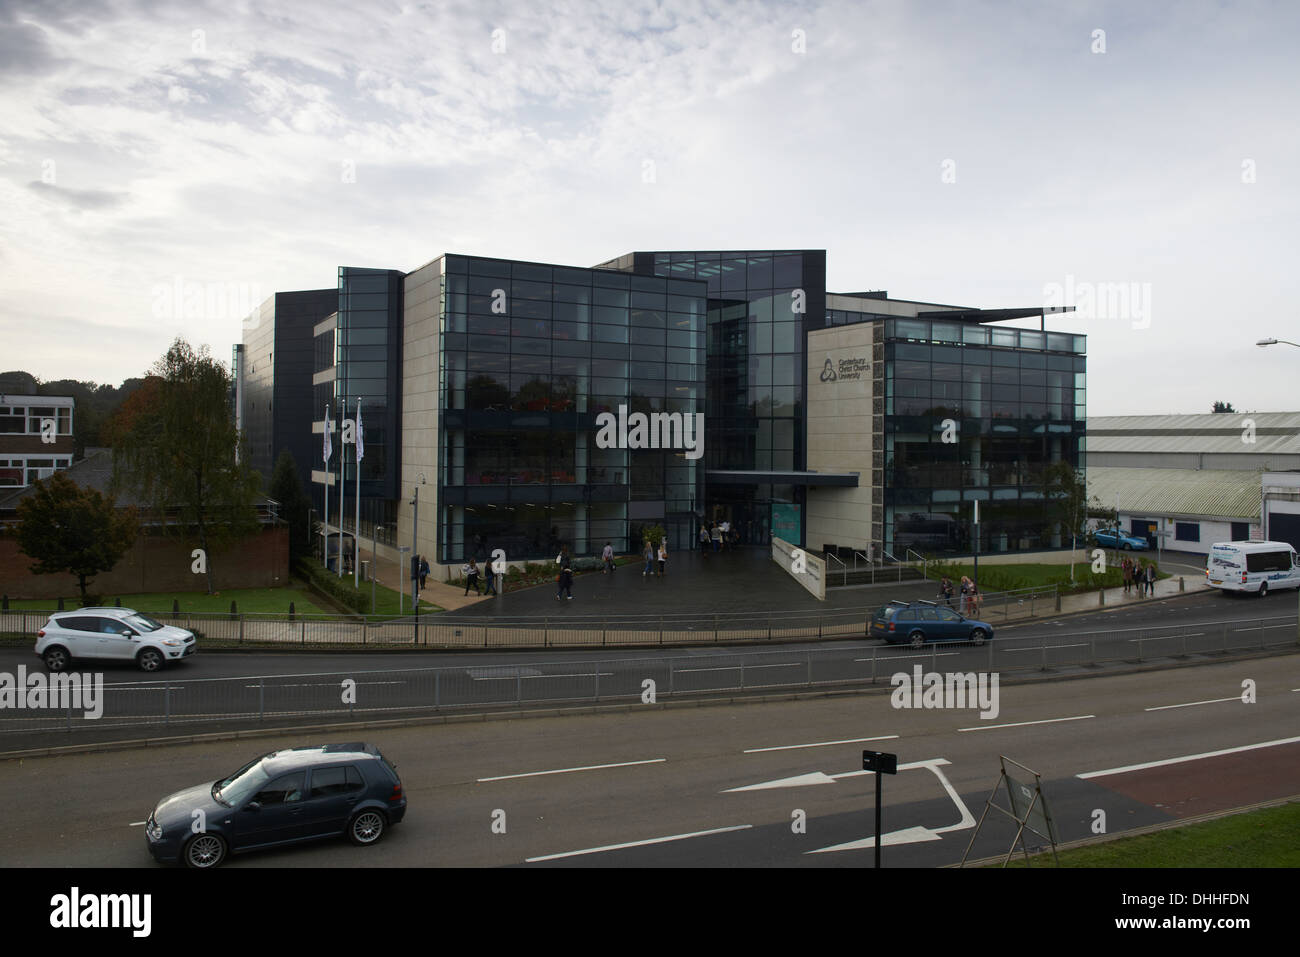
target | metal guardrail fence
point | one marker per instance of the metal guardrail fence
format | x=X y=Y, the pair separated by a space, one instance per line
x=173 y=703
x=446 y=630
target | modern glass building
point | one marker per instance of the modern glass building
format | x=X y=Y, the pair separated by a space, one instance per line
x=852 y=420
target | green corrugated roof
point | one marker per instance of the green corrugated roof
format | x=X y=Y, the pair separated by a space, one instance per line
x=1227 y=493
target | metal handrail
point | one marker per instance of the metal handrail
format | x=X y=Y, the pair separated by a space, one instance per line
x=845 y=579
x=925 y=563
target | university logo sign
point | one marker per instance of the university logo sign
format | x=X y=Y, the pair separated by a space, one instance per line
x=846 y=369
x=658 y=430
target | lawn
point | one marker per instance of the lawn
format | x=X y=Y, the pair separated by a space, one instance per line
x=1008 y=577
x=1265 y=838
x=249 y=601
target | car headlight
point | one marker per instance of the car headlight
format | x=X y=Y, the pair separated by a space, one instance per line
x=173 y=642
x=153 y=829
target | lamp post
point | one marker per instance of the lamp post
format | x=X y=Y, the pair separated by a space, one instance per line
x=415 y=557
x=374 y=546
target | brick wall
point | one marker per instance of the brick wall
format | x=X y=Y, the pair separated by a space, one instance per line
x=155 y=564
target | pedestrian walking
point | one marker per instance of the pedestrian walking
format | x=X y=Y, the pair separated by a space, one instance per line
x=1151 y=580
x=649 y=556
x=715 y=534
x=607 y=556
x=1126 y=571
x=965 y=594
x=471 y=577
x=564 y=580
x=974 y=600
x=945 y=591
x=424 y=572
x=490 y=578
x=704 y=540
x=663 y=557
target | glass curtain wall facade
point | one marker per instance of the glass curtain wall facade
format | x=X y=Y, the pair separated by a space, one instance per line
x=759 y=304
x=531 y=354
x=364 y=349
x=1018 y=399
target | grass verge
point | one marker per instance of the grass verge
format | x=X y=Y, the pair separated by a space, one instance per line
x=1269 y=837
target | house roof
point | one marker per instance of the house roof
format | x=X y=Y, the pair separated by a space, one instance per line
x=1209 y=493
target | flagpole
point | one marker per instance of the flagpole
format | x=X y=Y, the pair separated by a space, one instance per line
x=343 y=479
x=356 y=538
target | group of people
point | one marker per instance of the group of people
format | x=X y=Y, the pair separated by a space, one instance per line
x=651 y=551
x=970 y=598
x=471 y=572
x=1139 y=575
x=719 y=535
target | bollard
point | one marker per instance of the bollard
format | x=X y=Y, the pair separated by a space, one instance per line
x=1101 y=596
x=1180 y=583
x=4 y=603
x=60 y=604
x=176 y=606
x=1058 y=599
x=291 y=611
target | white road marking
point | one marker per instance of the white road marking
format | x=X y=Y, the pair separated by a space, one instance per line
x=923 y=654
x=137 y=824
x=913 y=835
x=1021 y=724
x=327 y=684
x=589 y=674
x=1082 y=644
x=821 y=777
x=590 y=767
x=1190 y=757
x=1192 y=704
x=822 y=744
x=653 y=840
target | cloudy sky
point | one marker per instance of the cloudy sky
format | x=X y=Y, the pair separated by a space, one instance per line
x=1136 y=159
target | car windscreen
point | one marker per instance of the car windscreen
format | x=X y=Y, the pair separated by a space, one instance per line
x=243 y=784
x=143 y=623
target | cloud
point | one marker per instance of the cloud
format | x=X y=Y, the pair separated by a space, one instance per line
x=78 y=198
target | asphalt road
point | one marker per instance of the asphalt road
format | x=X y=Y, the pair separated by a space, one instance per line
x=711 y=786
x=210 y=692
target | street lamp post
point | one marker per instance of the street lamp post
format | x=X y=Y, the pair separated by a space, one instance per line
x=374 y=547
x=1273 y=342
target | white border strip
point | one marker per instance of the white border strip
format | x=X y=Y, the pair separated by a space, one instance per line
x=1193 y=704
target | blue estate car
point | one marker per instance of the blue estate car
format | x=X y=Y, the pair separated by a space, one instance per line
x=919 y=622
x=1113 y=538
x=280 y=798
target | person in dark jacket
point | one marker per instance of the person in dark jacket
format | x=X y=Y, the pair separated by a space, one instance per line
x=565 y=581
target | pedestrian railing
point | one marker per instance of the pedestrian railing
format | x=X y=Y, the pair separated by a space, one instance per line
x=176 y=702
x=843 y=567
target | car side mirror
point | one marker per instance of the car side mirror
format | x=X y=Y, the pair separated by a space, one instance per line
x=252 y=806
x=127 y=633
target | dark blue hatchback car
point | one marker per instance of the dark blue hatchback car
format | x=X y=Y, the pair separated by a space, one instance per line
x=919 y=622
x=278 y=799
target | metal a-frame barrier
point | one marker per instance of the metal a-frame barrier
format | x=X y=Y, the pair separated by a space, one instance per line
x=1028 y=809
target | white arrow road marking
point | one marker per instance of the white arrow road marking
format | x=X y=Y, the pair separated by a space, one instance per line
x=799 y=781
x=913 y=835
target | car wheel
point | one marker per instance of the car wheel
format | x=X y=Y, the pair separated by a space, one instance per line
x=367 y=827
x=917 y=638
x=1263 y=589
x=977 y=636
x=149 y=660
x=204 y=851
x=1127 y=547
x=57 y=659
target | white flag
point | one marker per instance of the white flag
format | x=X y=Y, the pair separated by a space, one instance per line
x=361 y=445
x=329 y=445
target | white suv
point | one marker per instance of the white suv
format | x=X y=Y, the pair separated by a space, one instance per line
x=122 y=634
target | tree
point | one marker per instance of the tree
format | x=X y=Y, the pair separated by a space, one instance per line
x=1223 y=407
x=295 y=507
x=177 y=447
x=70 y=529
x=1065 y=501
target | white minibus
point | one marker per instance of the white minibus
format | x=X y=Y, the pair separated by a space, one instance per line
x=1256 y=567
